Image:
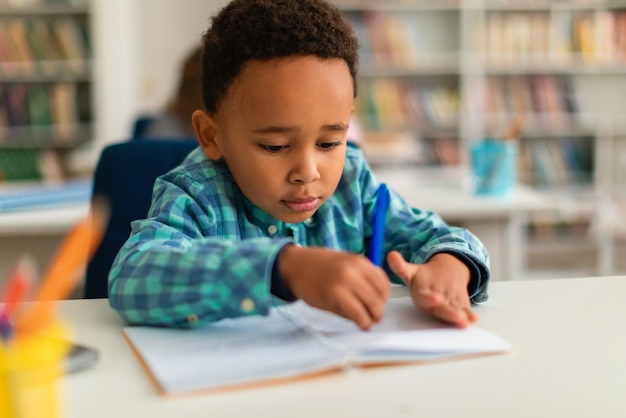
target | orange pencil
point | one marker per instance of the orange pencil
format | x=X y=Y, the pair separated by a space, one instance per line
x=65 y=268
x=16 y=289
x=19 y=283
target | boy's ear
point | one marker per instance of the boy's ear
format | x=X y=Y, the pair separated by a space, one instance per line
x=205 y=127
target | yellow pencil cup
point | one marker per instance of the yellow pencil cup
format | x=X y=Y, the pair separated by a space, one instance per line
x=31 y=368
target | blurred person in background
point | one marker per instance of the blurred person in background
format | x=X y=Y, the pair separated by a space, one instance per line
x=174 y=122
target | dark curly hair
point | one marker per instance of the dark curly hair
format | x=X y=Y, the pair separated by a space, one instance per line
x=247 y=30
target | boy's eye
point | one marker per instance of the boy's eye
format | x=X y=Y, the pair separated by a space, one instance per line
x=329 y=145
x=272 y=148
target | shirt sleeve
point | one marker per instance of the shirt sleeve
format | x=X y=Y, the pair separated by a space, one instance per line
x=420 y=234
x=176 y=271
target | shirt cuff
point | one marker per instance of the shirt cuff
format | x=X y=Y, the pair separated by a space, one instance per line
x=278 y=287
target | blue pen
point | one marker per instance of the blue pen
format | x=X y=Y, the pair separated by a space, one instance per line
x=378 y=225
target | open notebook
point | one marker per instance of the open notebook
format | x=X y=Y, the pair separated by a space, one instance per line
x=296 y=341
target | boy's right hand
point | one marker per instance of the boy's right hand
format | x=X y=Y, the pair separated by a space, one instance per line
x=346 y=284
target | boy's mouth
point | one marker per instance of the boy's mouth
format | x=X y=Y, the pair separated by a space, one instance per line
x=306 y=204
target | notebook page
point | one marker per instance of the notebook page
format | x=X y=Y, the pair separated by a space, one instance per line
x=231 y=352
x=404 y=334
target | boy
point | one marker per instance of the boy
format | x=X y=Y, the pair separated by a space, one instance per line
x=274 y=169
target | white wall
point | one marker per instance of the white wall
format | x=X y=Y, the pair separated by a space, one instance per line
x=169 y=30
x=114 y=33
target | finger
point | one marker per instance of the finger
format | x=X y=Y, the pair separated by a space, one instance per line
x=471 y=315
x=459 y=308
x=378 y=280
x=373 y=301
x=399 y=266
x=448 y=314
x=350 y=307
x=466 y=314
x=372 y=292
x=461 y=303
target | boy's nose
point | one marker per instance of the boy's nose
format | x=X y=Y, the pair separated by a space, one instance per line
x=305 y=170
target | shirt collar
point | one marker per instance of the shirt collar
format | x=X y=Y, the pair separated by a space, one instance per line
x=269 y=224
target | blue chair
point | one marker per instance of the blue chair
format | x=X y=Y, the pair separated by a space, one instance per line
x=125 y=175
x=141 y=125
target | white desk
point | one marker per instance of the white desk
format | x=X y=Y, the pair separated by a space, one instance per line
x=569 y=361
x=498 y=222
x=50 y=221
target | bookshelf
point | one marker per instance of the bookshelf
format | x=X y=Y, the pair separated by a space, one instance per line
x=571 y=55
x=45 y=85
x=437 y=75
x=408 y=102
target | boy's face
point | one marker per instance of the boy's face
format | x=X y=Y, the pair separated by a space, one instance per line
x=281 y=128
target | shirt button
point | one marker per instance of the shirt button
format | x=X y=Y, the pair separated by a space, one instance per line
x=272 y=229
x=308 y=221
x=192 y=318
x=247 y=305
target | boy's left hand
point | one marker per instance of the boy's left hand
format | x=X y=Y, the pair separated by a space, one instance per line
x=438 y=287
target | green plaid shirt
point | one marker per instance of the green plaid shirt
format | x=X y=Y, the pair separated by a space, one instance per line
x=205 y=252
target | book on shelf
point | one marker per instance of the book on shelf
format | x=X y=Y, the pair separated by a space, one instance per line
x=4 y=121
x=72 y=41
x=50 y=52
x=387 y=95
x=387 y=39
x=549 y=101
x=34 y=45
x=10 y=60
x=18 y=42
x=296 y=341
x=16 y=104
x=6 y=54
x=401 y=34
x=441 y=105
x=520 y=99
x=83 y=103
x=33 y=37
x=42 y=113
x=39 y=110
x=19 y=164
x=556 y=36
x=64 y=110
x=560 y=177
x=391 y=105
x=377 y=37
x=556 y=161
